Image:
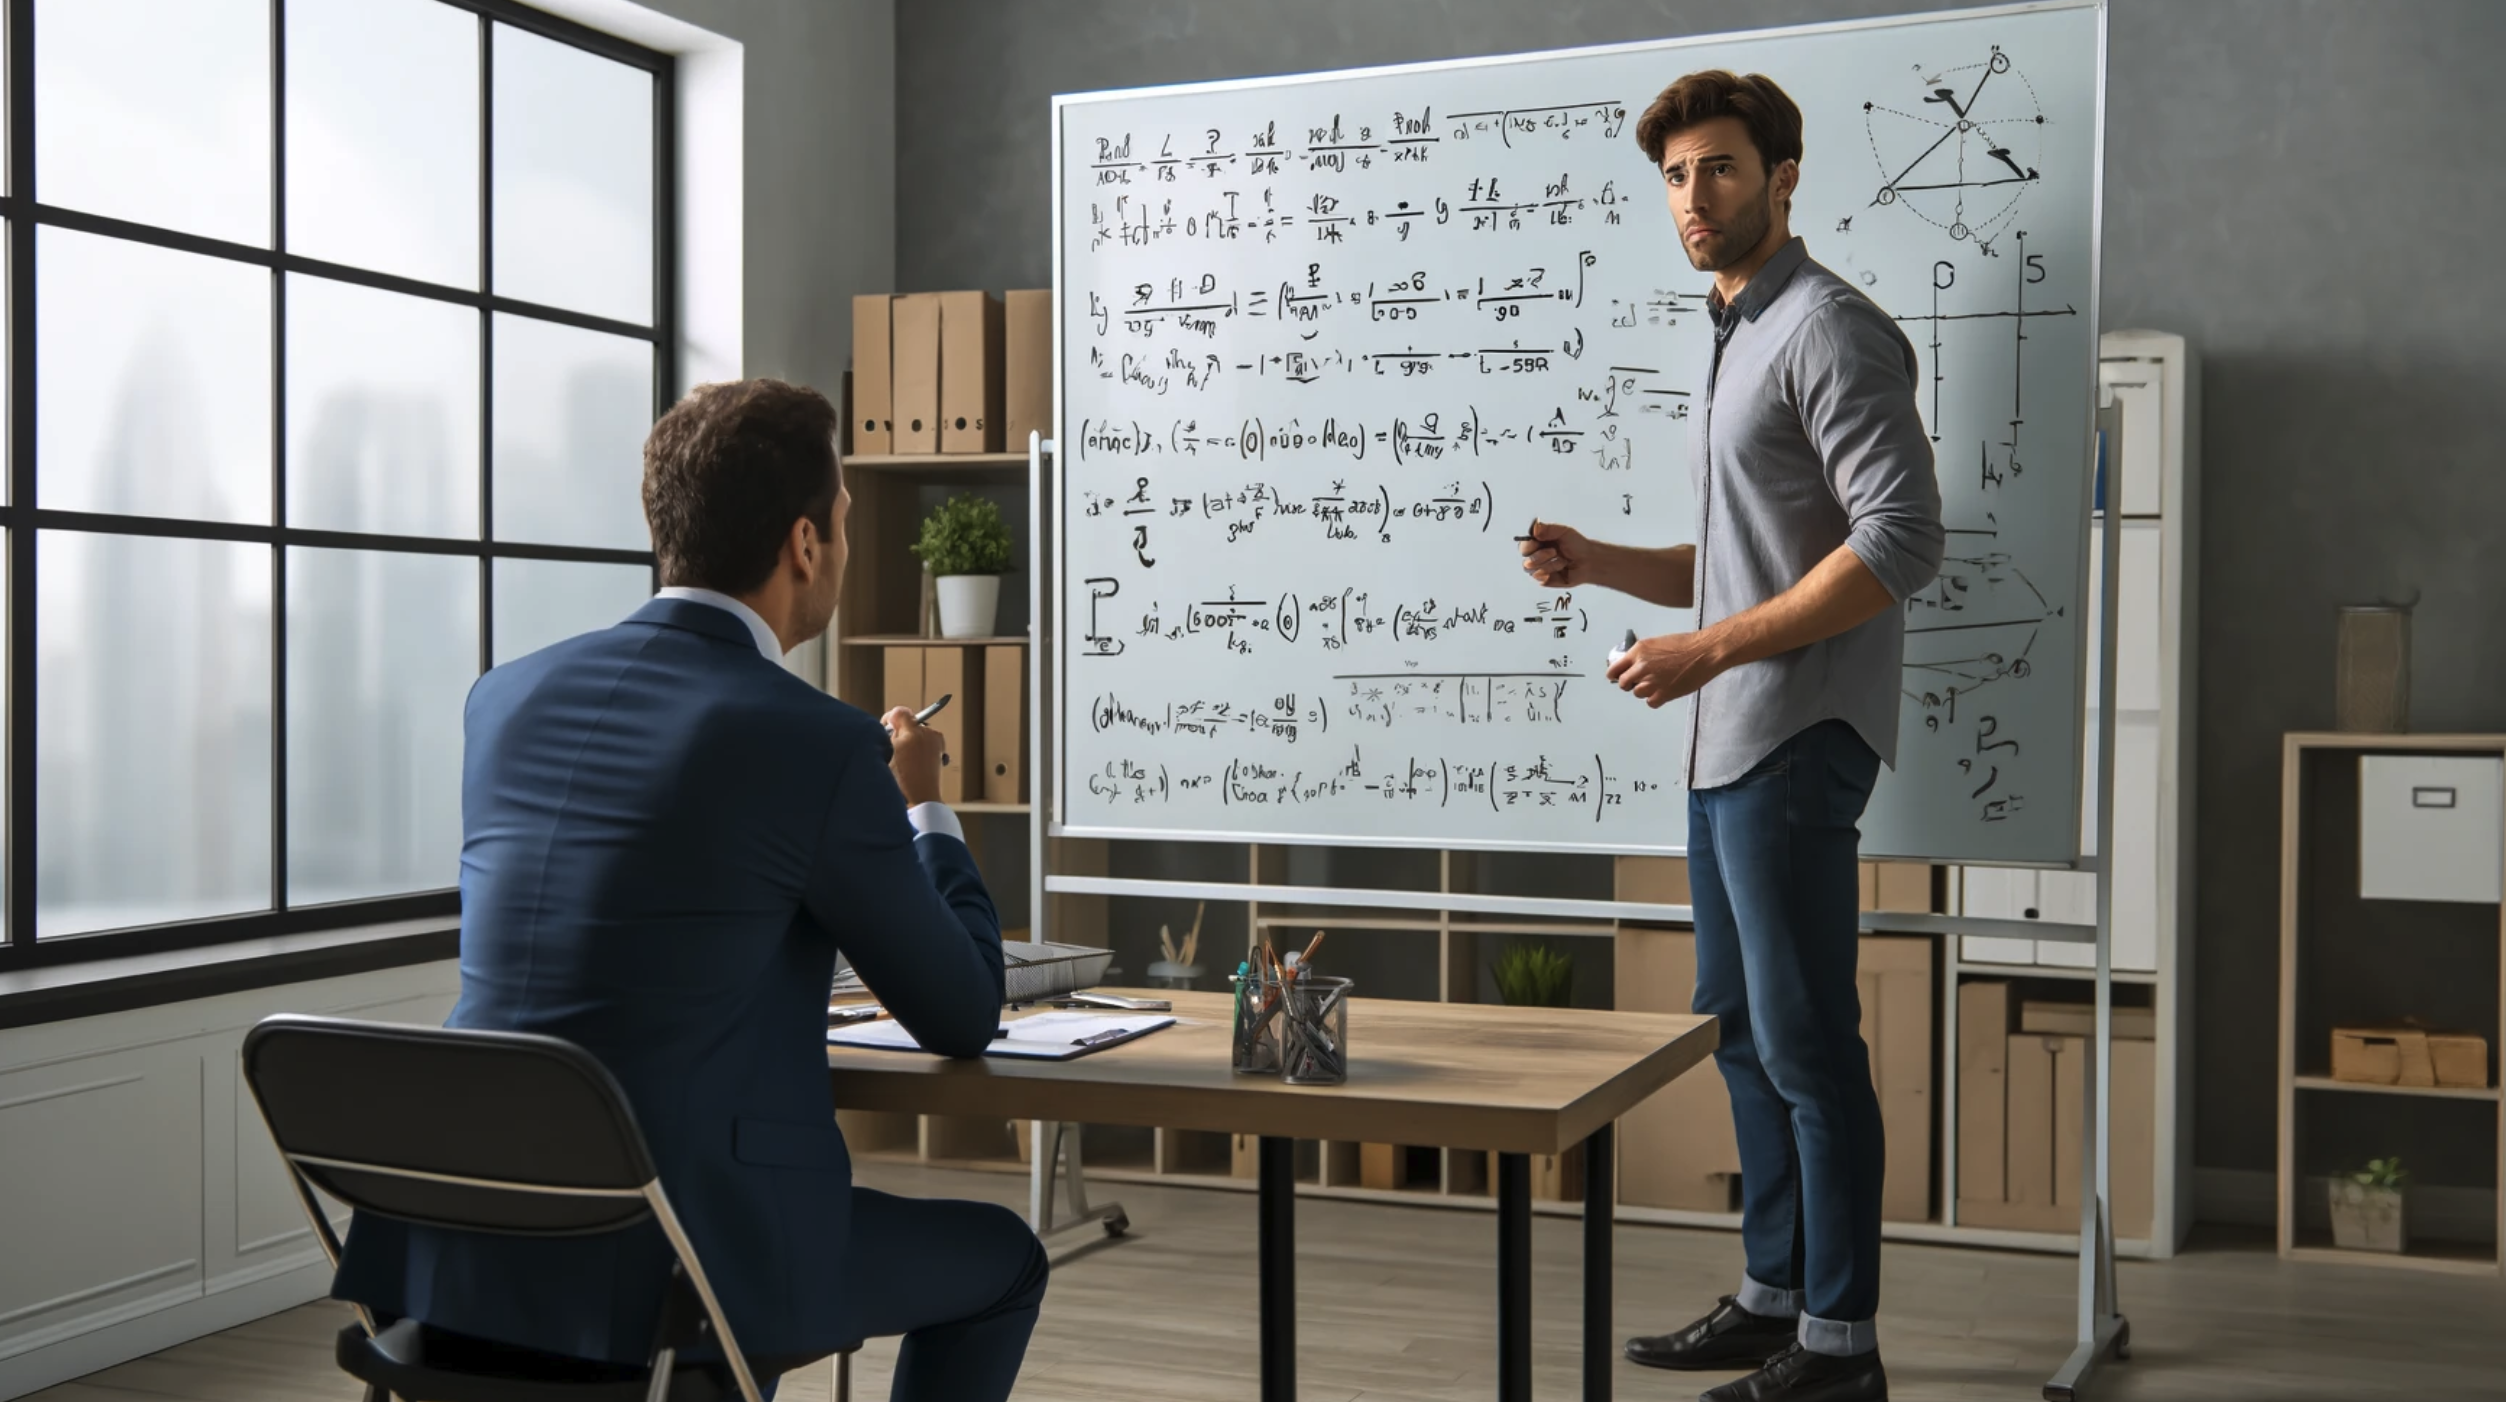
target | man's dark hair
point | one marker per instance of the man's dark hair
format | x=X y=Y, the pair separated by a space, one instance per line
x=1773 y=121
x=726 y=473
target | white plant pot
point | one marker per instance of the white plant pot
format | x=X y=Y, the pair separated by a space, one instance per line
x=2367 y=1219
x=970 y=604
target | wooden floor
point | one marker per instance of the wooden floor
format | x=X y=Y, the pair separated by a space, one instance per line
x=1397 y=1304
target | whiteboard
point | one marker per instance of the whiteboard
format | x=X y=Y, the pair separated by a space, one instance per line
x=1328 y=343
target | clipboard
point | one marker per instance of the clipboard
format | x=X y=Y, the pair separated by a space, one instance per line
x=1054 y=1036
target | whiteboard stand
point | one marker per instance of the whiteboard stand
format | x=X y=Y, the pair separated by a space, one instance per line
x=2102 y=1326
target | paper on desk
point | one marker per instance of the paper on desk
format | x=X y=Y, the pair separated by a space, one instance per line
x=1039 y=1036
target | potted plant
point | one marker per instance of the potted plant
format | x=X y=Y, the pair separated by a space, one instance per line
x=1534 y=976
x=966 y=545
x=2367 y=1208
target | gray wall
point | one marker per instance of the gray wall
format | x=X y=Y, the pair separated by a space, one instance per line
x=819 y=187
x=2308 y=190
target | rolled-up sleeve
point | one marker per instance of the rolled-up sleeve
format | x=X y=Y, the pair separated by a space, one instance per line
x=1855 y=376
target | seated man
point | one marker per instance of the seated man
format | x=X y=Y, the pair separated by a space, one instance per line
x=666 y=839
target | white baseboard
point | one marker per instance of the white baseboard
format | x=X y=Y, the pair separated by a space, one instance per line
x=2251 y=1198
x=75 y=1357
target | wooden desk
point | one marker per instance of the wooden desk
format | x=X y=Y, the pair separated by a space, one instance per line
x=1518 y=1081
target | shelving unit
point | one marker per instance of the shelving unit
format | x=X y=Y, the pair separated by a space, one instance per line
x=2345 y=960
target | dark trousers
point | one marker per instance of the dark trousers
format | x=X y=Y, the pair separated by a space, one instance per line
x=1773 y=881
x=962 y=1282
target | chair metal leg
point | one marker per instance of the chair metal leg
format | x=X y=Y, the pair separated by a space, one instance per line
x=844 y=1376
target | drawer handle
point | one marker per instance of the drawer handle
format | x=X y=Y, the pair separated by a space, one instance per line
x=2432 y=796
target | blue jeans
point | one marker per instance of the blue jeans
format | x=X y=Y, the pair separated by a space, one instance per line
x=1771 y=869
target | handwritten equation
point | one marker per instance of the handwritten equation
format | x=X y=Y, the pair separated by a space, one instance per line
x=1334 y=621
x=1560 y=787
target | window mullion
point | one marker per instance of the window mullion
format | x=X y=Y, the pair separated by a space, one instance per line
x=278 y=455
x=487 y=342
x=21 y=553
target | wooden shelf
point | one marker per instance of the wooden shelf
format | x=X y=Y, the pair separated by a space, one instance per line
x=2443 y=1257
x=2321 y=946
x=2400 y=742
x=1498 y=925
x=918 y=640
x=925 y=462
x=1969 y=966
x=982 y=806
x=2488 y=1093
x=1327 y=920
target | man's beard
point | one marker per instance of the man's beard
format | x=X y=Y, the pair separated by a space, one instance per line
x=1739 y=238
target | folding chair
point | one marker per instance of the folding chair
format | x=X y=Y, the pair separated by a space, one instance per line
x=501 y=1132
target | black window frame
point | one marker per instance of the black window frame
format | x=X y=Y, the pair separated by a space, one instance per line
x=23 y=517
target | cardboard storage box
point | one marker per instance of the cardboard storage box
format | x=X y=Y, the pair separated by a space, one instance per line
x=873 y=400
x=2080 y=1020
x=970 y=372
x=1677 y=1149
x=1897 y=886
x=2409 y=1056
x=1005 y=723
x=1027 y=366
x=2020 y=1097
x=914 y=347
x=1651 y=880
x=914 y=677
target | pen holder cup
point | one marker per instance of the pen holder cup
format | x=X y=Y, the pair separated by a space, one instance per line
x=1256 y=1041
x=1315 y=1046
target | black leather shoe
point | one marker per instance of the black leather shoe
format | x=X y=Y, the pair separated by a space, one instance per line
x=1798 y=1375
x=1731 y=1337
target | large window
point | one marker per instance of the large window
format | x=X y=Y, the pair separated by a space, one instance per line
x=333 y=328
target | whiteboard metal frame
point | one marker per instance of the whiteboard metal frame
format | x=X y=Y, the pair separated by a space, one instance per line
x=1051 y=800
x=2102 y=1330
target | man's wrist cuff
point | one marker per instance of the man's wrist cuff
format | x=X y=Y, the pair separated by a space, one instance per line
x=935 y=818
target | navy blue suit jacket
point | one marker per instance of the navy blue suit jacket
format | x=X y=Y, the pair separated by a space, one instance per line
x=665 y=840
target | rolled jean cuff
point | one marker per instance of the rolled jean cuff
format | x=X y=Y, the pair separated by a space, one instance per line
x=1836 y=1338
x=1765 y=1301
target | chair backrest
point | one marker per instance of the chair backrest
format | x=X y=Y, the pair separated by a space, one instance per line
x=489 y=1131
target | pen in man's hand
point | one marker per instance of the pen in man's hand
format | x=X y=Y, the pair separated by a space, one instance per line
x=923 y=716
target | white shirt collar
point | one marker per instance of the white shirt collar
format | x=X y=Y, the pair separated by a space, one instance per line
x=767 y=642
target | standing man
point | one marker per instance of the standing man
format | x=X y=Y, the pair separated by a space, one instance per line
x=1817 y=516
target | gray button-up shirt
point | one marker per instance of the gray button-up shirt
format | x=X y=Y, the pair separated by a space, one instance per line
x=1810 y=440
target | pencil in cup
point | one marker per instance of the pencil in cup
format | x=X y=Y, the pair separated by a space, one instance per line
x=1314 y=1047
x=1256 y=1040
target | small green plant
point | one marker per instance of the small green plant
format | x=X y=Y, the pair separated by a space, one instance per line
x=1534 y=976
x=2381 y=1173
x=964 y=535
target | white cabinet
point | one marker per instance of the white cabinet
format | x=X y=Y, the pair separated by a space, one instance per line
x=2428 y=827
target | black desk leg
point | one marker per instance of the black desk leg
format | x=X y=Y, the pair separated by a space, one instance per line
x=1513 y=1278
x=1278 y=1158
x=1600 y=1215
